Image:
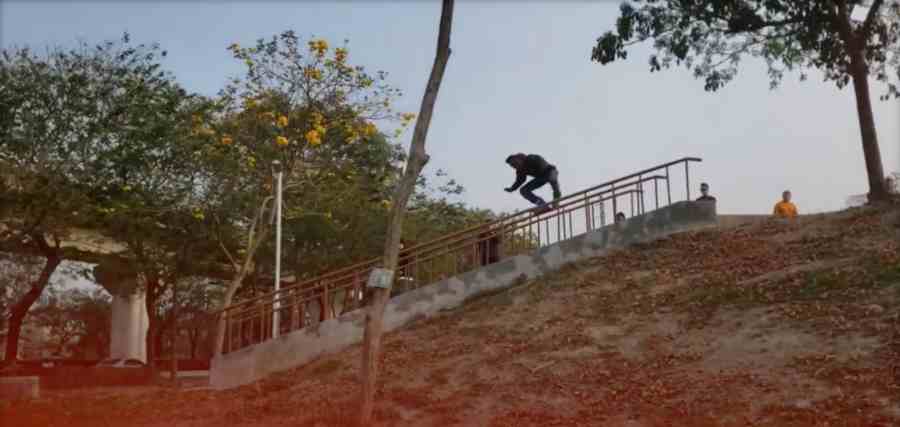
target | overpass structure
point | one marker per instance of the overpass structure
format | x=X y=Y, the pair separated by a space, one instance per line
x=129 y=322
x=297 y=323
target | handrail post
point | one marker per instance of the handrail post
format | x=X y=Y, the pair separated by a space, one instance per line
x=656 y=191
x=615 y=208
x=640 y=194
x=588 y=214
x=687 y=180
x=558 y=219
x=631 y=202
x=326 y=306
x=262 y=322
x=668 y=187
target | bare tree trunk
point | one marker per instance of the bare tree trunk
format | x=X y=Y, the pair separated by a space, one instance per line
x=855 y=41
x=874 y=168
x=173 y=368
x=151 y=294
x=20 y=309
x=416 y=161
x=226 y=301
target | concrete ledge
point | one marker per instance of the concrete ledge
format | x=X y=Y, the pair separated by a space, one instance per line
x=14 y=388
x=300 y=347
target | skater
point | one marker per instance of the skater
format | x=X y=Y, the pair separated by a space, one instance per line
x=535 y=166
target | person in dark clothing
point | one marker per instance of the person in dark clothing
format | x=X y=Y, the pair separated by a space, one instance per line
x=543 y=173
x=488 y=247
x=704 y=190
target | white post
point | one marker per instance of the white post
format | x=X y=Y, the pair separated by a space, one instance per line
x=275 y=314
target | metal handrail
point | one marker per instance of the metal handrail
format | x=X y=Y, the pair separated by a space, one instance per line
x=516 y=229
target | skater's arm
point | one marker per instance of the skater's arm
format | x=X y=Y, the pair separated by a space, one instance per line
x=520 y=178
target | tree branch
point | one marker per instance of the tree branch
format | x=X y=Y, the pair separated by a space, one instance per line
x=870 y=18
x=841 y=20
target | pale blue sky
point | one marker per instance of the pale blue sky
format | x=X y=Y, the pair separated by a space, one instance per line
x=520 y=79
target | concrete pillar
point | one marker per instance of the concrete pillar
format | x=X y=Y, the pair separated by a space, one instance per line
x=128 y=331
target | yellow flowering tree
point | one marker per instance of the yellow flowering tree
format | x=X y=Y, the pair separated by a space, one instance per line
x=301 y=103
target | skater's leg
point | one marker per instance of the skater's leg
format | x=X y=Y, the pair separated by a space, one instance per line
x=527 y=191
x=553 y=179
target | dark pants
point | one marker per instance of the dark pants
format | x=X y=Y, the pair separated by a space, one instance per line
x=550 y=176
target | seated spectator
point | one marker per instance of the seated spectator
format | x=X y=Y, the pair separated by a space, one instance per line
x=705 y=197
x=488 y=247
x=784 y=208
x=891 y=183
x=620 y=217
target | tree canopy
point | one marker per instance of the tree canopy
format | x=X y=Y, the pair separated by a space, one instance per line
x=844 y=39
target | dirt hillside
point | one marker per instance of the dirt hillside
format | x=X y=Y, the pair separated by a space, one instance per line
x=781 y=324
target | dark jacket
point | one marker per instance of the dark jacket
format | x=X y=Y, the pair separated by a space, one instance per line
x=534 y=166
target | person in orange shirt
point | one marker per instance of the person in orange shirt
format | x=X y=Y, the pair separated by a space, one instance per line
x=784 y=208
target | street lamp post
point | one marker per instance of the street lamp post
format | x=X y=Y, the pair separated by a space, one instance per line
x=276 y=166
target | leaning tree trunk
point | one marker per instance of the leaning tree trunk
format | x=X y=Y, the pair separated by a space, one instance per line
x=221 y=324
x=874 y=169
x=414 y=165
x=254 y=239
x=20 y=309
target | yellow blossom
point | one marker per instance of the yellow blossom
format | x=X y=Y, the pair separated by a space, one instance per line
x=407 y=117
x=282 y=121
x=370 y=129
x=318 y=46
x=280 y=140
x=340 y=54
x=226 y=140
x=249 y=103
x=313 y=73
x=313 y=137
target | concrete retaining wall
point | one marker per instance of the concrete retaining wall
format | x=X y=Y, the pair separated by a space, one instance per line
x=14 y=388
x=300 y=347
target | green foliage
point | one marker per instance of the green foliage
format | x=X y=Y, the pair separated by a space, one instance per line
x=710 y=37
x=76 y=321
x=76 y=124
